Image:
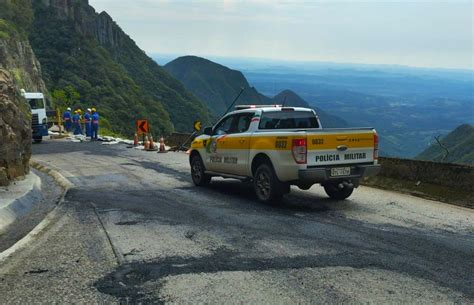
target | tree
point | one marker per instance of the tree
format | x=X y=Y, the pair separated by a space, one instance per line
x=66 y=97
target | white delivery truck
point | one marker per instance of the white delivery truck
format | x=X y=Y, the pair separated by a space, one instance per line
x=39 y=120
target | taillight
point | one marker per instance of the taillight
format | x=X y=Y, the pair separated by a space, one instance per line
x=376 y=146
x=299 y=150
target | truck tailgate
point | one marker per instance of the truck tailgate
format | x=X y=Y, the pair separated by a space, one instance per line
x=340 y=146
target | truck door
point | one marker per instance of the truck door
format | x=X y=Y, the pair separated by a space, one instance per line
x=216 y=148
x=237 y=145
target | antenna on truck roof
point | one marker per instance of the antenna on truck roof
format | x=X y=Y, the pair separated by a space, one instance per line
x=235 y=100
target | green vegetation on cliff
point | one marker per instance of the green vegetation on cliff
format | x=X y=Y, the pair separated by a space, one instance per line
x=456 y=147
x=88 y=51
x=18 y=13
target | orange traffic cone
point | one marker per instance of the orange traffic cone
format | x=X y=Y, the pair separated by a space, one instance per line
x=146 y=144
x=135 y=140
x=162 y=145
x=151 y=145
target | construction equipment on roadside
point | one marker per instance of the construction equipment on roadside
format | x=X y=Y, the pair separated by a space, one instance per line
x=184 y=146
x=162 y=145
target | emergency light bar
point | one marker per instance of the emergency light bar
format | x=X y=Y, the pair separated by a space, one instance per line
x=240 y=107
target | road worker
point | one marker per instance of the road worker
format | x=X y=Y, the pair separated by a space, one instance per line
x=95 y=124
x=76 y=123
x=87 y=122
x=81 y=123
x=67 y=119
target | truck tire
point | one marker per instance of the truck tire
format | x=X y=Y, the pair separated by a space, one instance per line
x=334 y=192
x=38 y=139
x=200 y=178
x=266 y=184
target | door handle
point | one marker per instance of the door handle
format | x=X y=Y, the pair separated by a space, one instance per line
x=242 y=141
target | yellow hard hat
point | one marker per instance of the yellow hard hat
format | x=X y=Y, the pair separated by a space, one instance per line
x=79 y=110
x=93 y=109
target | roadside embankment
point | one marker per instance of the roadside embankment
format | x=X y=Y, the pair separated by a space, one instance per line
x=447 y=182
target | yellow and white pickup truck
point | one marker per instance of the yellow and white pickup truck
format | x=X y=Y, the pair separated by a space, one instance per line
x=276 y=147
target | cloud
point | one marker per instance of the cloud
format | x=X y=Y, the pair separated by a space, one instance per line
x=426 y=33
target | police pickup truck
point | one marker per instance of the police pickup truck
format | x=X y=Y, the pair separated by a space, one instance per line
x=276 y=147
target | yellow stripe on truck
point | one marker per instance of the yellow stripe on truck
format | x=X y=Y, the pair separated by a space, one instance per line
x=316 y=142
x=331 y=141
x=271 y=142
x=197 y=144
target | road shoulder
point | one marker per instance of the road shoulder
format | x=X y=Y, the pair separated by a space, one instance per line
x=18 y=199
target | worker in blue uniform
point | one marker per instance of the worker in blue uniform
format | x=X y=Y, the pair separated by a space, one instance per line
x=67 y=119
x=88 y=122
x=95 y=124
x=76 y=123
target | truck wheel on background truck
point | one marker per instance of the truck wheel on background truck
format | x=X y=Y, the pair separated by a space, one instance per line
x=38 y=139
x=200 y=178
x=266 y=184
x=335 y=192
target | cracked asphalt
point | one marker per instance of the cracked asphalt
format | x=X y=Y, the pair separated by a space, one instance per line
x=134 y=229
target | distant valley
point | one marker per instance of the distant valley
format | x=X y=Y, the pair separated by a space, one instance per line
x=408 y=106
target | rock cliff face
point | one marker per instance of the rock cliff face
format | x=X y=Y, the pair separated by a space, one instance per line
x=15 y=132
x=18 y=69
x=17 y=57
x=88 y=51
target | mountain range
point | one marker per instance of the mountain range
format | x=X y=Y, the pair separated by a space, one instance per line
x=218 y=86
x=88 y=54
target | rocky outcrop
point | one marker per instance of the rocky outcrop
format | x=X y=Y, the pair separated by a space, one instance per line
x=86 y=21
x=107 y=31
x=17 y=57
x=19 y=69
x=15 y=132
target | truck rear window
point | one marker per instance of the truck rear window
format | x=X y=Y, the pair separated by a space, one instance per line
x=288 y=120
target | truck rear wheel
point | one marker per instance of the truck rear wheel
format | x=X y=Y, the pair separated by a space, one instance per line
x=200 y=178
x=266 y=184
x=333 y=191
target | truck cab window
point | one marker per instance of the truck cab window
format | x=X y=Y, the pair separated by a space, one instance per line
x=288 y=120
x=243 y=122
x=36 y=103
x=224 y=126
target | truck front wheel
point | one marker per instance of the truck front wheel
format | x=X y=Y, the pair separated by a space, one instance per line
x=335 y=192
x=200 y=178
x=38 y=139
x=266 y=184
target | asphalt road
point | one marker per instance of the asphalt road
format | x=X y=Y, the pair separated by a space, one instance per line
x=135 y=229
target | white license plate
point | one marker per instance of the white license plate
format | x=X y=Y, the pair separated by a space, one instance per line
x=340 y=171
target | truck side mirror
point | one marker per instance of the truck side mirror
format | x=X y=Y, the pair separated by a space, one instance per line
x=208 y=131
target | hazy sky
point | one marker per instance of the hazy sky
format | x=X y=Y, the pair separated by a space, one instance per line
x=416 y=33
